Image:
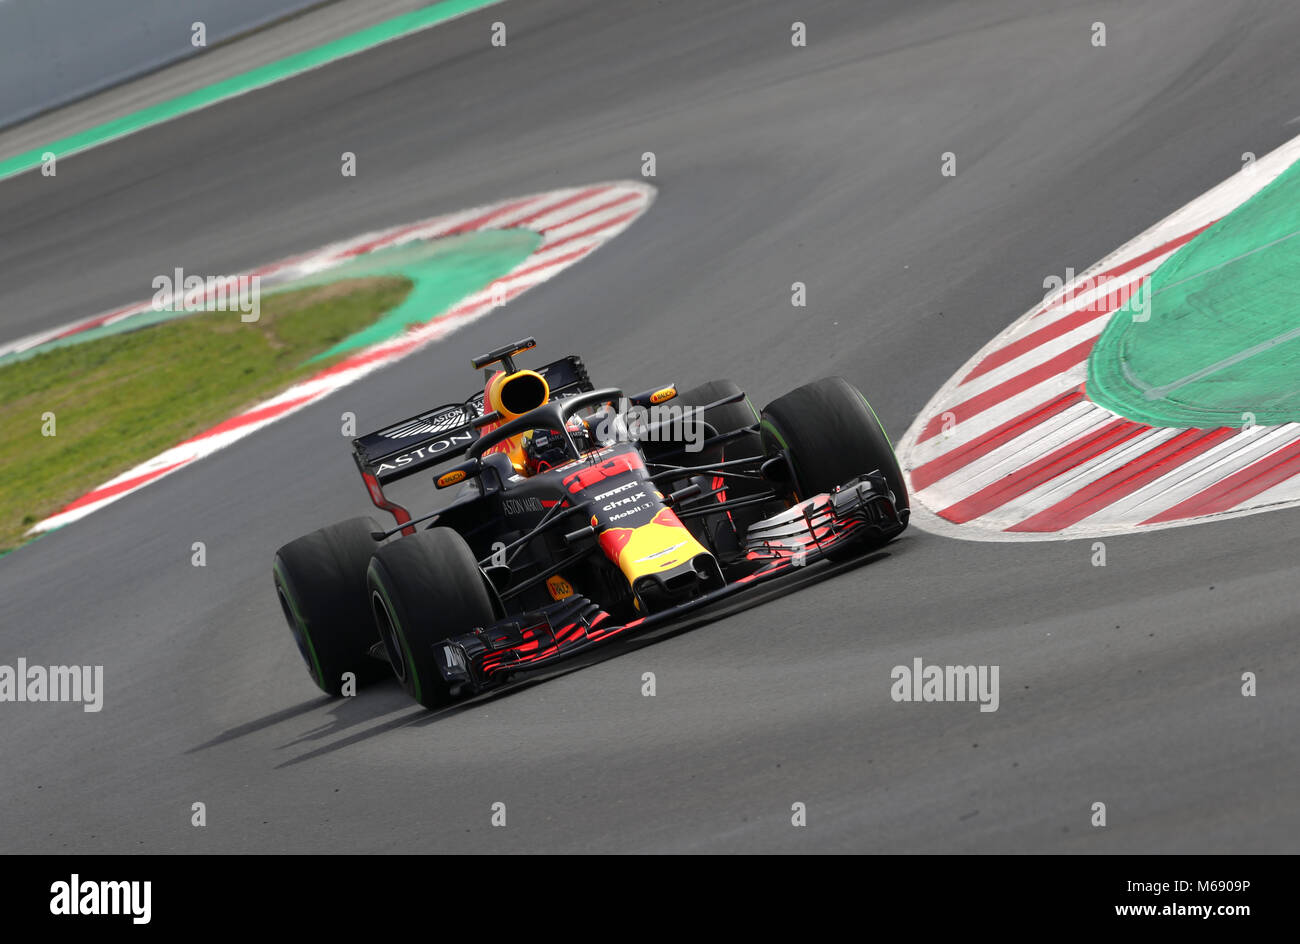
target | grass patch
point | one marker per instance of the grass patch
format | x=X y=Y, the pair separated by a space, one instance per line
x=125 y=398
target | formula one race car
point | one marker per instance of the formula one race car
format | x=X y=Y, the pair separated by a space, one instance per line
x=579 y=515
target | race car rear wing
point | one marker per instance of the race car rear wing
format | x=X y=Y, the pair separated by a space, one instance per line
x=445 y=432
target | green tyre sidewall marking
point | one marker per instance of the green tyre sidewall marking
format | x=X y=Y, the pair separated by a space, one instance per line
x=318 y=676
x=776 y=433
x=883 y=431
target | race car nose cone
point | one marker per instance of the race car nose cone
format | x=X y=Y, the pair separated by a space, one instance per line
x=670 y=587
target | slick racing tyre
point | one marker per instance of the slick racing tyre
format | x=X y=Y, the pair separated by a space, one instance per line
x=423 y=589
x=832 y=435
x=321 y=581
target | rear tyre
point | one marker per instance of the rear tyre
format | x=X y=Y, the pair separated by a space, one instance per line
x=320 y=580
x=831 y=435
x=424 y=589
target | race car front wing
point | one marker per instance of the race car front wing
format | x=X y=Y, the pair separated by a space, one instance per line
x=862 y=510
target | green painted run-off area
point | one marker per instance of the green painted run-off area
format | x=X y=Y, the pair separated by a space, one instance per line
x=1221 y=343
x=442 y=272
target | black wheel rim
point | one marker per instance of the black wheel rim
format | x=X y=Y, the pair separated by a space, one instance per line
x=388 y=633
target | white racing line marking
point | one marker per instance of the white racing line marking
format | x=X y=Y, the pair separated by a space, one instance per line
x=1011 y=449
x=573 y=222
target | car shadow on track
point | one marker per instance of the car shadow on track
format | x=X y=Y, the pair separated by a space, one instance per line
x=266 y=721
x=379 y=701
x=612 y=650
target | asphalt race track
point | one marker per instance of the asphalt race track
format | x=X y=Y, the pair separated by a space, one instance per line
x=1119 y=684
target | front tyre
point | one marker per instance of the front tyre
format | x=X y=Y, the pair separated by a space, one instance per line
x=831 y=435
x=320 y=580
x=424 y=589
